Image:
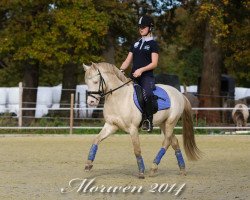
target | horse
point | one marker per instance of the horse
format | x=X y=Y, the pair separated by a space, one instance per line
x=240 y=115
x=105 y=80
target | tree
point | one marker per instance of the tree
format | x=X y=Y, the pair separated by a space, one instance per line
x=209 y=15
x=76 y=36
x=64 y=33
x=122 y=30
x=236 y=45
x=220 y=19
x=182 y=51
x=216 y=30
x=210 y=86
x=18 y=43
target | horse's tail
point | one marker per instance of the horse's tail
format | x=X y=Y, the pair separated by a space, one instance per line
x=191 y=149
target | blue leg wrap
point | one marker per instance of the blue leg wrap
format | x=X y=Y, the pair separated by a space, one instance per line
x=92 y=152
x=180 y=159
x=140 y=164
x=159 y=156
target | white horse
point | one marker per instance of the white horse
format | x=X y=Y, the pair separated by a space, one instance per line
x=120 y=112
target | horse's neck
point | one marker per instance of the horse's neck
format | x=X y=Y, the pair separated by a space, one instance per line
x=113 y=83
x=117 y=96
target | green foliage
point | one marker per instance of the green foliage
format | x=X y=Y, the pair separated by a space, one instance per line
x=183 y=56
x=63 y=31
x=51 y=32
x=229 y=22
x=191 y=65
x=237 y=47
x=122 y=26
x=10 y=76
x=77 y=32
x=186 y=63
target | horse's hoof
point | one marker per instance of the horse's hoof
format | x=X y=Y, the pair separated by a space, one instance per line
x=183 y=172
x=141 y=176
x=152 y=172
x=88 y=167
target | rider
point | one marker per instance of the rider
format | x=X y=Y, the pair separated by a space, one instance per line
x=144 y=55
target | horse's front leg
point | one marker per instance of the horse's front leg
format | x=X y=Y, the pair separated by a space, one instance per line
x=137 y=150
x=106 y=131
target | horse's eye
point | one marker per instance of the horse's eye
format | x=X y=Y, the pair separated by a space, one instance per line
x=95 y=82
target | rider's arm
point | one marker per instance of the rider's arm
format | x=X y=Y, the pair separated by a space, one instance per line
x=153 y=64
x=127 y=62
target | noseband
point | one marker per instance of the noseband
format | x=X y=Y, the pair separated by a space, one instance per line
x=101 y=88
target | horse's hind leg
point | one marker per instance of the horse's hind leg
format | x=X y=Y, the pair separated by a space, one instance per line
x=137 y=150
x=106 y=131
x=167 y=129
x=178 y=154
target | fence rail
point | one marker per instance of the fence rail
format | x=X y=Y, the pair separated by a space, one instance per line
x=72 y=118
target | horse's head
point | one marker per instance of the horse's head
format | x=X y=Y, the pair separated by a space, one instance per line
x=95 y=82
x=97 y=86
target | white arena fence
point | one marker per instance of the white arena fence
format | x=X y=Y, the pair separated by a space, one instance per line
x=48 y=99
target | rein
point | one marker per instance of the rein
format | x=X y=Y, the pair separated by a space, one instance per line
x=101 y=88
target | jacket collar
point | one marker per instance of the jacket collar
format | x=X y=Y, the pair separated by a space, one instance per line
x=146 y=39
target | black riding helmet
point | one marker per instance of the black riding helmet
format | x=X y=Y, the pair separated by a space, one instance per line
x=145 y=21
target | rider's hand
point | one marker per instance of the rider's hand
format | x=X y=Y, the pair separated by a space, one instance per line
x=137 y=73
x=122 y=70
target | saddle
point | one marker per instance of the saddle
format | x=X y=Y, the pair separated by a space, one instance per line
x=160 y=99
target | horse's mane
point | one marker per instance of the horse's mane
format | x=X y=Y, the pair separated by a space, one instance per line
x=110 y=68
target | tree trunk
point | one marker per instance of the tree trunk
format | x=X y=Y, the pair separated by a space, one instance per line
x=210 y=85
x=109 y=51
x=68 y=85
x=30 y=84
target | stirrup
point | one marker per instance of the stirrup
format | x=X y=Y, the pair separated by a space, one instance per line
x=147 y=126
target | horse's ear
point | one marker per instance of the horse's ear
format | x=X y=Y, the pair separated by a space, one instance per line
x=85 y=67
x=94 y=65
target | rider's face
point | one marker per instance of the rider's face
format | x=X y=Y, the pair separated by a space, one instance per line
x=144 y=30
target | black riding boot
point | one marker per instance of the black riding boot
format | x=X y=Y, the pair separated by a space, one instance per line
x=147 y=124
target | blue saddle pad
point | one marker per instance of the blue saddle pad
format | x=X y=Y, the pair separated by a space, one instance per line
x=163 y=101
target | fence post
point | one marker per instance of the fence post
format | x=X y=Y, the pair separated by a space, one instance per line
x=20 y=115
x=78 y=104
x=196 y=117
x=223 y=112
x=86 y=103
x=71 y=113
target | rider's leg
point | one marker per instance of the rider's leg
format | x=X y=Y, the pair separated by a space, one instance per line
x=148 y=123
x=148 y=85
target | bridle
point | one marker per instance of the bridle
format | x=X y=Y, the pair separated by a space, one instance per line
x=101 y=88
